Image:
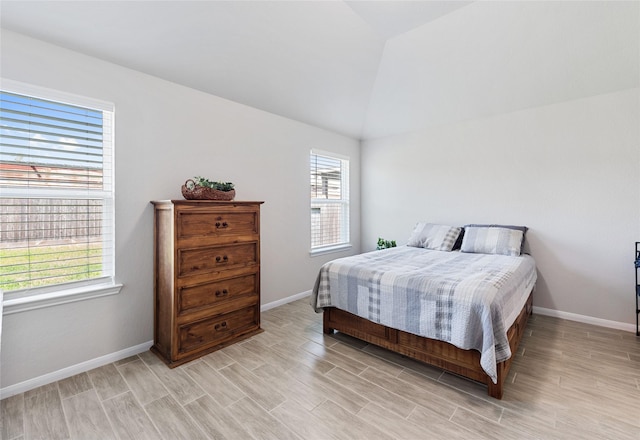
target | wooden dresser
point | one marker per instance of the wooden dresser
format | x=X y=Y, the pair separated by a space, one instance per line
x=206 y=276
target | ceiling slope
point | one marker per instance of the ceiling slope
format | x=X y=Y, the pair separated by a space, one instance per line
x=365 y=69
x=497 y=57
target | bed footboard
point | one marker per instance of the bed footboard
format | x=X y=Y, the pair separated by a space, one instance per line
x=440 y=354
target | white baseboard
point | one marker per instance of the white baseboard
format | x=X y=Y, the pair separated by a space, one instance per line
x=284 y=301
x=64 y=373
x=585 y=319
x=538 y=310
x=131 y=351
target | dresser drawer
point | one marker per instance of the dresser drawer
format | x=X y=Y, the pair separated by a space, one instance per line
x=218 y=293
x=215 y=223
x=206 y=259
x=213 y=331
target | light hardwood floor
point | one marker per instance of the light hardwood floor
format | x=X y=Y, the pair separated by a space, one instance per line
x=569 y=381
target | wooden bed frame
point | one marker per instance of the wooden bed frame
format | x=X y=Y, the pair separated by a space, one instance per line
x=433 y=352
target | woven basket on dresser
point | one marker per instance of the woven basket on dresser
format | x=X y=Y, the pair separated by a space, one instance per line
x=197 y=192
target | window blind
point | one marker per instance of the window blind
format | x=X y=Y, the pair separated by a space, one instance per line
x=56 y=192
x=329 y=200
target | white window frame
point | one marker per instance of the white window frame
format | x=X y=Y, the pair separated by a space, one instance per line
x=345 y=242
x=16 y=301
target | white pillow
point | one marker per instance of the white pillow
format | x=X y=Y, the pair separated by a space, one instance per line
x=492 y=240
x=434 y=236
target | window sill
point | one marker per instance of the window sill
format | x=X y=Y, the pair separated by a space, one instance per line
x=50 y=299
x=329 y=249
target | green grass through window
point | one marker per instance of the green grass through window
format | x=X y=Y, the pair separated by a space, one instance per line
x=24 y=268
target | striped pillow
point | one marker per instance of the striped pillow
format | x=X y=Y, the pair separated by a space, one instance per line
x=433 y=236
x=492 y=240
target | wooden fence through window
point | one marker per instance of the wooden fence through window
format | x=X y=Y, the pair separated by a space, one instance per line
x=49 y=219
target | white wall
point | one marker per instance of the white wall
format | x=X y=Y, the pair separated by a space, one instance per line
x=569 y=171
x=167 y=133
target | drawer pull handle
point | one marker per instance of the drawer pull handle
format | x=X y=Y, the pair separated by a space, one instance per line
x=221 y=326
x=224 y=292
x=223 y=259
x=222 y=225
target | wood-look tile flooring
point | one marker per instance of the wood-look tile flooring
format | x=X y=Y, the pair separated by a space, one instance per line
x=569 y=381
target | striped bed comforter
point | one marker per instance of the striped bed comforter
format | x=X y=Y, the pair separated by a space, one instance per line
x=469 y=300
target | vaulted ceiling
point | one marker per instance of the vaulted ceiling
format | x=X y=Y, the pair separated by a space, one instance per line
x=365 y=69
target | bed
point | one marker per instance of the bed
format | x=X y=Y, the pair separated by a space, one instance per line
x=463 y=311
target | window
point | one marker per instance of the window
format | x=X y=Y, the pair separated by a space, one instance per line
x=56 y=194
x=329 y=201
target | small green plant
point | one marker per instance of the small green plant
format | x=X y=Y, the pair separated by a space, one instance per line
x=220 y=186
x=385 y=244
